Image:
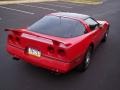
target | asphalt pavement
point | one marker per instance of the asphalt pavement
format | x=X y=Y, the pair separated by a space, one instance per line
x=104 y=71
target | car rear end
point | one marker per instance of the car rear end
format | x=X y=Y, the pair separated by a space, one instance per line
x=39 y=50
x=53 y=42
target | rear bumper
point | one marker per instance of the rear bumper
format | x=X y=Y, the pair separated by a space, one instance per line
x=44 y=62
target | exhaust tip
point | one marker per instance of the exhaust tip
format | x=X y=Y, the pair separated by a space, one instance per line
x=15 y=58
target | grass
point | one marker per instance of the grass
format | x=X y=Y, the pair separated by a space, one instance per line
x=84 y=1
x=64 y=0
x=10 y=0
x=73 y=1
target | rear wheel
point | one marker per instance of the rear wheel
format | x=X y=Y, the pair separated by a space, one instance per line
x=85 y=64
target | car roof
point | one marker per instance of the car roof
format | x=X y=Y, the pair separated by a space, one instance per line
x=71 y=15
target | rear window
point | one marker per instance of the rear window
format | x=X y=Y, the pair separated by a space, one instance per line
x=58 y=26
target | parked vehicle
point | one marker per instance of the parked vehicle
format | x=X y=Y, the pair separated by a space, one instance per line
x=59 y=41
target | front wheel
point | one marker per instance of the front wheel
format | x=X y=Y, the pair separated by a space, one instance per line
x=105 y=36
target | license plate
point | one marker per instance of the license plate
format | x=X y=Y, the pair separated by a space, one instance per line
x=34 y=52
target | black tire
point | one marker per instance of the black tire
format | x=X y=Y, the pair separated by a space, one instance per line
x=105 y=36
x=85 y=64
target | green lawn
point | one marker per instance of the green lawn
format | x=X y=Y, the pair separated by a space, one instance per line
x=85 y=0
x=77 y=1
x=64 y=0
x=74 y=1
x=10 y=0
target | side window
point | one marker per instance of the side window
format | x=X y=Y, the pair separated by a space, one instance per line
x=72 y=28
x=80 y=29
x=92 y=23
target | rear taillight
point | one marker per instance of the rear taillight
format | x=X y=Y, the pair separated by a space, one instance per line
x=13 y=39
x=10 y=37
x=51 y=49
x=17 y=39
x=61 y=52
x=56 y=51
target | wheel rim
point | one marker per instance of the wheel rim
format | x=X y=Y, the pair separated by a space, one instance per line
x=106 y=35
x=87 y=61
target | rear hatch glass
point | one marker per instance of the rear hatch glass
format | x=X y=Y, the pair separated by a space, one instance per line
x=58 y=26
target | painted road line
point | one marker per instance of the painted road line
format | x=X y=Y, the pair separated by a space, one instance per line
x=63 y=6
x=37 y=7
x=12 y=9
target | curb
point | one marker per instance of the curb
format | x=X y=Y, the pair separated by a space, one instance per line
x=85 y=2
x=31 y=1
x=23 y=1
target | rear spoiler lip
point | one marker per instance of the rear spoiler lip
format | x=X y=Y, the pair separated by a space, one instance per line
x=30 y=33
x=49 y=38
x=11 y=29
x=14 y=29
x=46 y=37
x=7 y=29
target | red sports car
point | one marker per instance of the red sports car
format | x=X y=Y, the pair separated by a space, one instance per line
x=59 y=41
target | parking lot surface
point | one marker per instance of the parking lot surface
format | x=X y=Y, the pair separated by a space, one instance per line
x=104 y=71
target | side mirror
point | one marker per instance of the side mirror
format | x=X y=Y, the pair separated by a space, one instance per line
x=92 y=27
x=85 y=32
x=100 y=26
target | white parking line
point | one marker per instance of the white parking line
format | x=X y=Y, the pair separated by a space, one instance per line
x=56 y=5
x=26 y=12
x=37 y=7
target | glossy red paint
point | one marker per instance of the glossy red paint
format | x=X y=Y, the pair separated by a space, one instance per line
x=54 y=53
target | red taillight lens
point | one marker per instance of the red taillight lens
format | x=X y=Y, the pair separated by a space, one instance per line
x=61 y=52
x=51 y=49
x=17 y=39
x=10 y=37
x=13 y=39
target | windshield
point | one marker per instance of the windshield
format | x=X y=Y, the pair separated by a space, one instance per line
x=58 y=26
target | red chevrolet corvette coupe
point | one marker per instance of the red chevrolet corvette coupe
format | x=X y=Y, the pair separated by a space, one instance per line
x=58 y=42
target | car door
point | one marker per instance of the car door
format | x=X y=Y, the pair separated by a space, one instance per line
x=95 y=30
